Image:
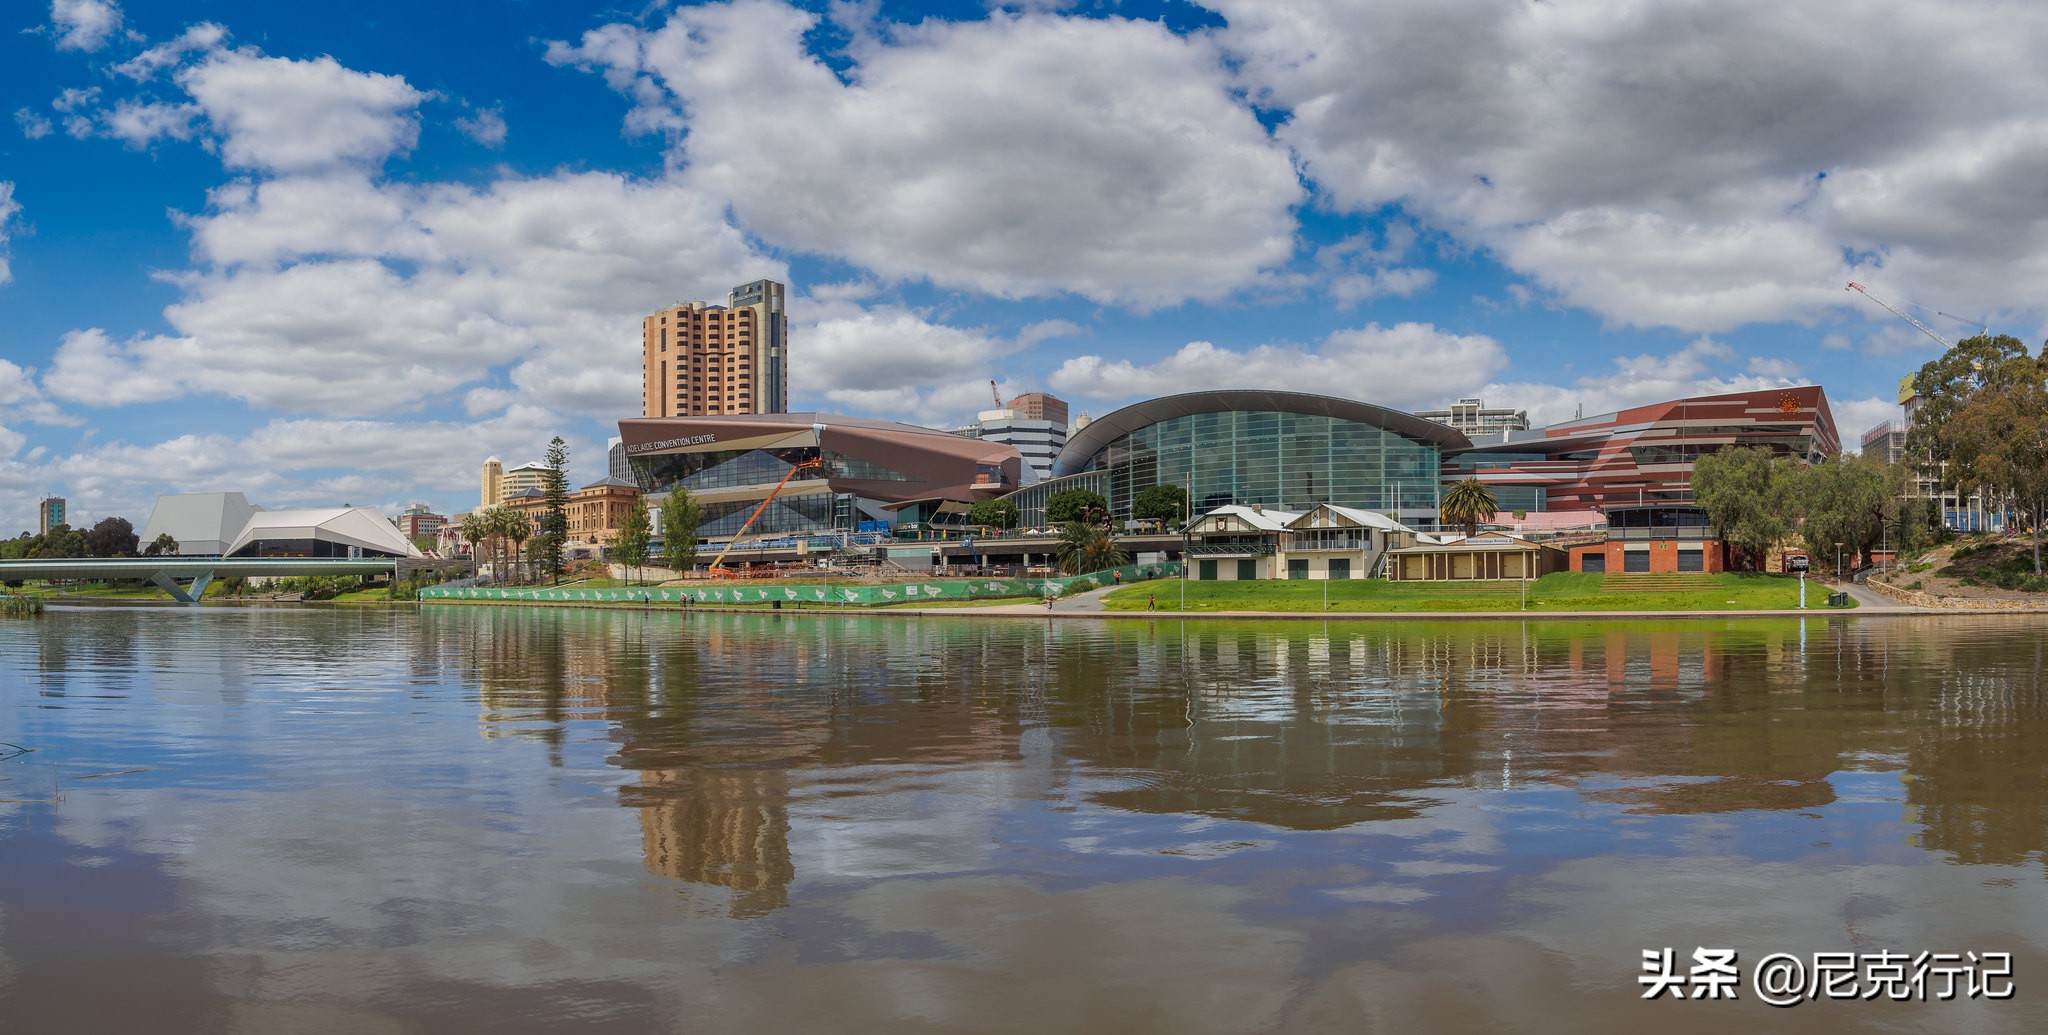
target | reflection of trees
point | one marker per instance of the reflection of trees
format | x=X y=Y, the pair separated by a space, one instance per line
x=1977 y=766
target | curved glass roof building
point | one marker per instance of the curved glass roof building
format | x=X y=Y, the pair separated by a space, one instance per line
x=1287 y=450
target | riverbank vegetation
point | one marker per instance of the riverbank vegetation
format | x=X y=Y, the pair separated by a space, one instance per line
x=1561 y=591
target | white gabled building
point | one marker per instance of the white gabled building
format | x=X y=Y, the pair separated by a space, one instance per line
x=1236 y=542
x=1333 y=542
x=1324 y=542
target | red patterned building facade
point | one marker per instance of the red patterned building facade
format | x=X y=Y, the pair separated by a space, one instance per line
x=1644 y=455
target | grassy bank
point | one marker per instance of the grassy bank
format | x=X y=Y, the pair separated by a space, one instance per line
x=1564 y=591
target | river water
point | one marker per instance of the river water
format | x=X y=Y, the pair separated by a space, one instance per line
x=526 y=820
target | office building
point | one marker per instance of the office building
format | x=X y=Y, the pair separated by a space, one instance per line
x=493 y=483
x=519 y=479
x=700 y=359
x=49 y=514
x=417 y=521
x=616 y=464
x=1037 y=440
x=1040 y=406
x=1472 y=417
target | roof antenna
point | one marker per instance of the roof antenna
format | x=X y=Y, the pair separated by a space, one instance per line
x=1579 y=411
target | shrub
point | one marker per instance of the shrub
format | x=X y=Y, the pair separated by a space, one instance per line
x=1916 y=584
x=16 y=606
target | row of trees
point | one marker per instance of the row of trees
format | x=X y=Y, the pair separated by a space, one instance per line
x=1854 y=504
x=1167 y=503
x=110 y=537
x=497 y=533
x=679 y=516
x=1982 y=423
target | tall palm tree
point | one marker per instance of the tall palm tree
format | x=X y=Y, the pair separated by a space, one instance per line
x=475 y=528
x=1468 y=503
x=517 y=527
x=1084 y=548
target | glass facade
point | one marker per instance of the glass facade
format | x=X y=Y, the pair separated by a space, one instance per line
x=1030 y=500
x=817 y=512
x=1288 y=461
x=731 y=469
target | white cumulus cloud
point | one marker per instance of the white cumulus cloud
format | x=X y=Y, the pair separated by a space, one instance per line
x=1695 y=164
x=1406 y=366
x=282 y=115
x=333 y=293
x=1016 y=156
x=84 y=24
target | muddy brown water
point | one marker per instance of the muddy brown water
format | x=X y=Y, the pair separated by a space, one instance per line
x=475 y=819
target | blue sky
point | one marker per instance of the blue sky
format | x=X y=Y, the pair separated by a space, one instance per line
x=328 y=255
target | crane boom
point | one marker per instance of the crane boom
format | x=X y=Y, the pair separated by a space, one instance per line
x=995 y=394
x=718 y=564
x=1895 y=311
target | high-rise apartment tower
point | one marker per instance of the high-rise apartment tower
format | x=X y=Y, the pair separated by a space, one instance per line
x=700 y=359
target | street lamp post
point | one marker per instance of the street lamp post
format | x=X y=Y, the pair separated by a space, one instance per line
x=1187 y=521
x=1838 y=562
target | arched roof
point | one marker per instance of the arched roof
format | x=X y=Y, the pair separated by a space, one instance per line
x=1083 y=444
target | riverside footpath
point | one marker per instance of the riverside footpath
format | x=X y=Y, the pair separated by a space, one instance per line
x=1089 y=604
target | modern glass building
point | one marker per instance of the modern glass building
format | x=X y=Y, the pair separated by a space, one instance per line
x=1285 y=450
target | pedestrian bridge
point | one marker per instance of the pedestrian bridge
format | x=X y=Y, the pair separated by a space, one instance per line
x=197 y=572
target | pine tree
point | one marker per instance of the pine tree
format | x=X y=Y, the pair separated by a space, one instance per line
x=554 y=521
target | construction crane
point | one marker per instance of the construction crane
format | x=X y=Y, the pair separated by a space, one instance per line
x=1979 y=326
x=1901 y=314
x=718 y=569
x=995 y=394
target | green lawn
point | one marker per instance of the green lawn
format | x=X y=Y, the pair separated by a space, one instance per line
x=1564 y=591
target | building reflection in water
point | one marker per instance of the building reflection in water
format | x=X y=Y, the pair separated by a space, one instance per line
x=731 y=723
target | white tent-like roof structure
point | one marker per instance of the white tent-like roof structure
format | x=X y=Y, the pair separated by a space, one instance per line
x=203 y=523
x=362 y=527
x=217 y=524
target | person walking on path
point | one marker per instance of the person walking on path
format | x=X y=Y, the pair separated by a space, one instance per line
x=1151 y=601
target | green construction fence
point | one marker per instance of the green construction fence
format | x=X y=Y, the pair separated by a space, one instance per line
x=813 y=594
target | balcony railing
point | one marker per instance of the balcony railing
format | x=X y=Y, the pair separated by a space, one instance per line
x=1693 y=532
x=1328 y=545
x=1230 y=550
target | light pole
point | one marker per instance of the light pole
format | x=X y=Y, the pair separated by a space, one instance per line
x=1187 y=521
x=1838 y=562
